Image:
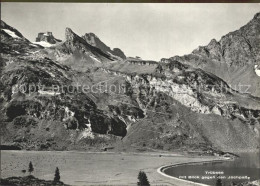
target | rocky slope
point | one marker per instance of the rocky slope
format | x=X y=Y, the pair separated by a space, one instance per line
x=13 y=42
x=40 y=106
x=93 y=40
x=76 y=96
x=190 y=106
x=233 y=58
x=10 y=32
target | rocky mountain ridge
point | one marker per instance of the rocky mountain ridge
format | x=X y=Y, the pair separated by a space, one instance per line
x=10 y=32
x=232 y=58
x=93 y=40
x=73 y=42
x=46 y=39
x=168 y=105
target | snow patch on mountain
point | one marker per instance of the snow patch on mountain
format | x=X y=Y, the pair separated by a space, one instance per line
x=93 y=57
x=51 y=93
x=111 y=54
x=44 y=44
x=33 y=45
x=257 y=70
x=11 y=33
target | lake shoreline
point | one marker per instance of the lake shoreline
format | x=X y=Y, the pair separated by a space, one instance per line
x=161 y=170
x=90 y=167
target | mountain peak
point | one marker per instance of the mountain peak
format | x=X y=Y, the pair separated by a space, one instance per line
x=69 y=34
x=91 y=34
x=93 y=40
x=213 y=42
x=68 y=29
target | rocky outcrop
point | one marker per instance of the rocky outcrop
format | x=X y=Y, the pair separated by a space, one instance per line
x=47 y=37
x=93 y=40
x=201 y=92
x=126 y=112
x=74 y=44
x=64 y=106
x=118 y=52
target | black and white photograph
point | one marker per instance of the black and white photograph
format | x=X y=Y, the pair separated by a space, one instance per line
x=129 y=94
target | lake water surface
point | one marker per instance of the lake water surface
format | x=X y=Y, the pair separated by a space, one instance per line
x=242 y=169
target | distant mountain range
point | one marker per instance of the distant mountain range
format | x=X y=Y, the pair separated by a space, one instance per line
x=80 y=94
x=46 y=39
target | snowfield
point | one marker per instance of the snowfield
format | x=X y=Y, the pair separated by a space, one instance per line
x=33 y=45
x=51 y=93
x=11 y=33
x=44 y=44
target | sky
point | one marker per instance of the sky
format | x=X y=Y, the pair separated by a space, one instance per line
x=151 y=31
